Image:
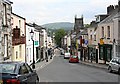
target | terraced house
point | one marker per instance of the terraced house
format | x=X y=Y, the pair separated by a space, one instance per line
x=18 y=38
x=5 y=30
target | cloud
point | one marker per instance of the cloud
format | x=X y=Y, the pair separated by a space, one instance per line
x=47 y=11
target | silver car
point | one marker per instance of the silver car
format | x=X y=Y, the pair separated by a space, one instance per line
x=114 y=65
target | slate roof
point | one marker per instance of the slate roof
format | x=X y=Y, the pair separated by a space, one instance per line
x=110 y=17
x=8 y=1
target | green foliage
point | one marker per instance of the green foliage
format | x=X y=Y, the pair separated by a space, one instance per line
x=87 y=25
x=59 y=34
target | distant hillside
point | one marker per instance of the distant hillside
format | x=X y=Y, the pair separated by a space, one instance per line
x=59 y=25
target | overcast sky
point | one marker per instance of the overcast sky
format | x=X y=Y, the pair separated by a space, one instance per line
x=49 y=11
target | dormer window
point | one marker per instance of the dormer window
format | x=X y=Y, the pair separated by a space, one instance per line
x=98 y=19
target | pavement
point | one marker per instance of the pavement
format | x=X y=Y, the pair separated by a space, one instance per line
x=42 y=64
x=93 y=64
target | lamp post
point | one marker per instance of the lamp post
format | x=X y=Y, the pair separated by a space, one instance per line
x=46 y=52
x=32 y=35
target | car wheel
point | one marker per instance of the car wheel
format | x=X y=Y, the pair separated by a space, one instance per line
x=37 y=81
x=110 y=69
x=119 y=71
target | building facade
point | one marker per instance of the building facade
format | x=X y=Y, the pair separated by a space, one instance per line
x=5 y=30
x=18 y=38
x=108 y=33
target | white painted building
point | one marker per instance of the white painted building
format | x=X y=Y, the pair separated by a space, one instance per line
x=29 y=44
x=18 y=38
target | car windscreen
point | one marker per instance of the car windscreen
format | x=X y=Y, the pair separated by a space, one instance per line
x=7 y=68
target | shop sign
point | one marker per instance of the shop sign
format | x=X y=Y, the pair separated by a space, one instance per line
x=101 y=41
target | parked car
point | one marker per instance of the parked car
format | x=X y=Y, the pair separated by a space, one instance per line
x=62 y=52
x=17 y=73
x=74 y=58
x=114 y=65
x=67 y=55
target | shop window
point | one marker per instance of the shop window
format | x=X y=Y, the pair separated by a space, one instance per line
x=101 y=53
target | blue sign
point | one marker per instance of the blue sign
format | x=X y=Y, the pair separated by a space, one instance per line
x=86 y=42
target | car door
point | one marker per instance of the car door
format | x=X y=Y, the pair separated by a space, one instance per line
x=117 y=65
x=32 y=73
x=24 y=72
x=113 y=63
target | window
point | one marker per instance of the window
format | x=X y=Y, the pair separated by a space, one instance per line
x=20 y=51
x=94 y=37
x=114 y=60
x=23 y=70
x=90 y=32
x=30 y=55
x=29 y=68
x=90 y=37
x=7 y=68
x=6 y=45
x=108 y=34
x=102 y=32
x=4 y=15
x=16 y=54
x=19 y=23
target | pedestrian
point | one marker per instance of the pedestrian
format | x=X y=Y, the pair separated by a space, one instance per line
x=46 y=56
x=91 y=55
x=51 y=53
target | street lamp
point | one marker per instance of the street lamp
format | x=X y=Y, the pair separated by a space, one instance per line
x=46 y=52
x=32 y=35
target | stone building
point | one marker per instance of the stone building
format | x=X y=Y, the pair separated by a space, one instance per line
x=5 y=30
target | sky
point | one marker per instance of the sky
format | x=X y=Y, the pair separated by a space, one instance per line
x=50 y=11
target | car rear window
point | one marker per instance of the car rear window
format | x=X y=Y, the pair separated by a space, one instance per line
x=67 y=53
x=7 y=68
x=74 y=56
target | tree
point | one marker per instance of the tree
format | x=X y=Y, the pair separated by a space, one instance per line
x=59 y=34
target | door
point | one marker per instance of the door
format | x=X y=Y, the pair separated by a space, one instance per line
x=32 y=73
x=24 y=72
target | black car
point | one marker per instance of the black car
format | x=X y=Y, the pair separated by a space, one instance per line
x=17 y=73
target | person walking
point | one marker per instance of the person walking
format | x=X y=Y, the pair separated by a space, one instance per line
x=91 y=56
x=51 y=53
x=46 y=56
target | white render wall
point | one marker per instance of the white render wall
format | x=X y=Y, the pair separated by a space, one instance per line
x=1 y=15
x=29 y=45
x=68 y=40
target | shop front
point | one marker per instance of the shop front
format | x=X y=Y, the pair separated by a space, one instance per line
x=105 y=52
x=93 y=53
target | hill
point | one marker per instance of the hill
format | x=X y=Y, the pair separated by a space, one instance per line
x=59 y=25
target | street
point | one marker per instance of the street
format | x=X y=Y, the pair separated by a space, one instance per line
x=60 y=70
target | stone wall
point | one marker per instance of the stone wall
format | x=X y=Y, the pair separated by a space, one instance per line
x=5 y=30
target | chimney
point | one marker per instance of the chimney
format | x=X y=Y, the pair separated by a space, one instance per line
x=110 y=9
x=116 y=6
x=93 y=23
